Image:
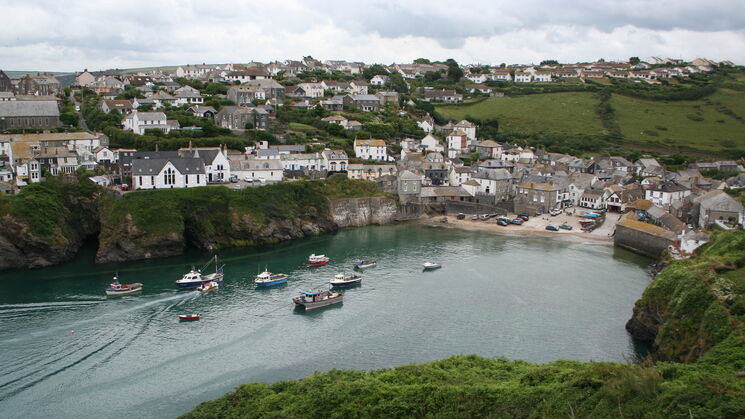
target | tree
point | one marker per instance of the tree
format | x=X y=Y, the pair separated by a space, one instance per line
x=374 y=70
x=455 y=73
x=397 y=83
x=431 y=76
x=634 y=60
x=549 y=62
x=422 y=61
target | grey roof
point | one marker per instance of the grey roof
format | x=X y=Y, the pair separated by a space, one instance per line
x=493 y=174
x=267 y=153
x=255 y=164
x=19 y=108
x=371 y=98
x=334 y=154
x=669 y=187
x=207 y=156
x=720 y=201
x=151 y=167
x=155 y=154
x=407 y=175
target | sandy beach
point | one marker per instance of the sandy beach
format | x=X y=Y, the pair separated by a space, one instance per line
x=535 y=226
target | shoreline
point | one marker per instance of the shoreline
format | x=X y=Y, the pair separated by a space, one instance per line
x=535 y=227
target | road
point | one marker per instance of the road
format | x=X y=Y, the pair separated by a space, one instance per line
x=81 y=121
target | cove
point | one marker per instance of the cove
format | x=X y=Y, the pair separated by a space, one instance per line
x=527 y=298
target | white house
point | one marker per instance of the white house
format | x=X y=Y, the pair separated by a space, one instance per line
x=523 y=77
x=467 y=127
x=427 y=124
x=477 y=78
x=312 y=90
x=542 y=76
x=216 y=164
x=138 y=122
x=371 y=150
x=168 y=173
x=334 y=160
x=457 y=143
x=256 y=169
x=370 y=171
x=664 y=194
x=103 y=155
x=301 y=161
x=379 y=80
x=188 y=95
x=501 y=76
x=430 y=143
x=459 y=175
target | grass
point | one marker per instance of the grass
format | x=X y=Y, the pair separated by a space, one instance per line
x=709 y=124
x=566 y=113
x=297 y=126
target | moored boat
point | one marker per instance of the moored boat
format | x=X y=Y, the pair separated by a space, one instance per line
x=189 y=317
x=315 y=260
x=364 y=264
x=317 y=298
x=115 y=288
x=342 y=280
x=268 y=279
x=431 y=265
x=195 y=278
x=208 y=286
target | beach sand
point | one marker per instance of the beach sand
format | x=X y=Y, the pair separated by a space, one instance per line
x=535 y=226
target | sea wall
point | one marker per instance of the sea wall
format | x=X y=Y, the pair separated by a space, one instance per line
x=642 y=238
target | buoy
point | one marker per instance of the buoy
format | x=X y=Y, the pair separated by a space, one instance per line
x=72 y=331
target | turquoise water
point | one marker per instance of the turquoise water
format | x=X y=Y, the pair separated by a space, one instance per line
x=67 y=351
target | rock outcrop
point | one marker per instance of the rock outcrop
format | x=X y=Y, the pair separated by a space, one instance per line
x=357 y=212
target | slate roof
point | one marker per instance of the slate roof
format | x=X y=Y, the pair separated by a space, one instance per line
x=23 y=108
x=151 y=167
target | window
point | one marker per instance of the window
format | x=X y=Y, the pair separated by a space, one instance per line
x=169 y=176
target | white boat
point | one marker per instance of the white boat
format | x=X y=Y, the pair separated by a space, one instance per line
x=195 y=278
x=268 y=279
x=315 y=259
x=342 y=280
x=432 y=265
x=364 y=264
x=208 y=286
x=317 y=299
x=115 y=288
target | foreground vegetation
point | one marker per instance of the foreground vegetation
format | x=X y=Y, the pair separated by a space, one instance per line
x=699 y=325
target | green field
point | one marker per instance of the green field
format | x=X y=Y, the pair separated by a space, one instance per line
x=707 y=124
x=566 y=113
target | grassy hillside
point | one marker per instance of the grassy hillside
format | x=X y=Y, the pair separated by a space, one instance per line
x=714 y=123
x=691 y=312
x=567 y=113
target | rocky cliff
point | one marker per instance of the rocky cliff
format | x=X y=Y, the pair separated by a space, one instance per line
x=356 y=212
x=692 y=304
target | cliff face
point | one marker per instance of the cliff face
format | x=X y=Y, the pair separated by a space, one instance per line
x=691 y=305
x=356 y=212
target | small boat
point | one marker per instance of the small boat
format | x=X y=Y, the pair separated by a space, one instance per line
x=268 y=279
x=194 y=278
x=342 y=280
x=115 y=288
x=364 y=264
x=208 y=286
x=431 y=265
x=315 y=260
x=188 y=317
x=317 y=298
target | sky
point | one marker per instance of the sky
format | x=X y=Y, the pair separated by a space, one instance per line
x=72 y=35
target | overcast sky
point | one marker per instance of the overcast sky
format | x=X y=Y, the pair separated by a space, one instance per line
x=71 y=35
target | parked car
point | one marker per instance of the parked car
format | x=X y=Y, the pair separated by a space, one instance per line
x=565 y=226
x=234 y=179
x=502 y=222
x=493 y=215
x=552 y=227
x=524 y=217
x=262 y=180
x=518 y=221
x=248 y=179
x=484 y=216
x=474 y=217
x=461 y=216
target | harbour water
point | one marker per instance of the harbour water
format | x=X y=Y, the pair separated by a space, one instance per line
x=67 y=351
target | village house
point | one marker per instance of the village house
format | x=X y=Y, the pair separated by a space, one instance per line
x=138 y=122
x=477 y=78
x=540 y=197
x=29 y=114
x=215 y=159
x=450 y=96
x=267 y=170
x=489 y=149
x=379 y=80
x=365 y=102
x=334 y=160
x=301 y=161
x=496 y=183
x=168 y=173
x=426 y=123
x=716 y=206
x=523 y=77
x=359 y=87
x=336 y=119
x=459 y=175
x=457 y=143
x=312 y=90
x=664 y=194
x=188 y=95
x=124 y=106
x=370 y=171
x=371 y=149
x=431 y=144
x=202 y=111
x=103 y=155
x=409 y=186
x=501 y=76
x=57 y=160
x=469 y=128
x=248 y=74
x=387 y=97
x=242 y=117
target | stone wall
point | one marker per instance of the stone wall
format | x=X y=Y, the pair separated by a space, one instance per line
x=640 y=241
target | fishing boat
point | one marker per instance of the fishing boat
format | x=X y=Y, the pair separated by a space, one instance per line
x=428 y=266
x=189 y=317
x=317 y=298
x=342 y=280
x=268 y=279
x=195 y=278
x=115 y=288
x=208 y=286
x=316 y=260
x=364 y=264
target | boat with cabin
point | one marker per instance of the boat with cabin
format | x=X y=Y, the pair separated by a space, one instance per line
x=316 y=260
x=343 y=280
x=313 y=299
x=195 y=278
x=428 y=266
x=268 y=279
x=115 y=288
x=364 y=264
